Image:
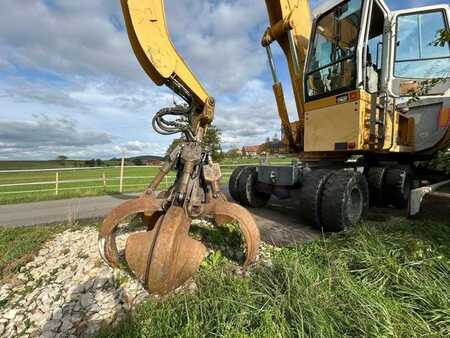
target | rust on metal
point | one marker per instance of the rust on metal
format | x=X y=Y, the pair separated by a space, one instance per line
x=165 y=257
x=107 y=235
x=224 y=212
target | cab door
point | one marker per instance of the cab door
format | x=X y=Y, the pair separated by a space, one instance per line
x=420 y=74
x=419 y=61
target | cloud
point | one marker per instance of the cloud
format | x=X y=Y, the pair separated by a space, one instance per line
x=249 y=117
x=46 y=135
x=70 y=38
x=223 y=47
x=134 y=148
x=24 y=91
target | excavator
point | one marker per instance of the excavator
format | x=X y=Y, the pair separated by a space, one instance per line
x=371 y=89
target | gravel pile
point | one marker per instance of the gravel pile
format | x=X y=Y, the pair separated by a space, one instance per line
x=66 y=291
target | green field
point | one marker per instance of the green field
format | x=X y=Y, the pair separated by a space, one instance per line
x=93 y=183
x=135 y=180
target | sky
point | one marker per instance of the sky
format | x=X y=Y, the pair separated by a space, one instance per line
x=71 y=85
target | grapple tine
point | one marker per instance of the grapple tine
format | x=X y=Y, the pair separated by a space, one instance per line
x=107 y=237
x=224 y=211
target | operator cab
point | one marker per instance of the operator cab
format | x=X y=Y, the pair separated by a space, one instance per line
x=362 y=59
x=360 y=44
x=331 y=67
x=335 y=60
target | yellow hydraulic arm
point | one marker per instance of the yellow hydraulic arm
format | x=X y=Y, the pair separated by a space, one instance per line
x=147 y=30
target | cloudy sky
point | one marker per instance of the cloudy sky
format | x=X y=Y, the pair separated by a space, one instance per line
x=70 y=84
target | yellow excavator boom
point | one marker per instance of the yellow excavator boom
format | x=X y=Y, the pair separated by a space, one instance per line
x=147 y=30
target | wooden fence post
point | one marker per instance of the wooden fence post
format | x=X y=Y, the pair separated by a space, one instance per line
x=56 y=183
x=122 y=164
x=104 y=181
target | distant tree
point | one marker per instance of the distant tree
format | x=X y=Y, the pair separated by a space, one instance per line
x=99 y=163
x=266 y=147
x=137 y=161
x=443 y=36
x=90 y=163
x=62 y=159
x=232 y=154
x=213 y=140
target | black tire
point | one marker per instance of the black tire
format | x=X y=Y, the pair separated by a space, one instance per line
x=397 y=187
x=247 y=194
x=310 y=196
x=234 y=181
x=345 y=200
x=376 y=177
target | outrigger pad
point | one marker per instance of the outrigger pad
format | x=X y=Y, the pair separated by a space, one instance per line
x=164 y=257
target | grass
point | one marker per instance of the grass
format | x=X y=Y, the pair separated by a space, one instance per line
x=72 y=189
x=94 y=187
x=18 y=245
x=378 y=280
x=386 y=279
x=22 y=165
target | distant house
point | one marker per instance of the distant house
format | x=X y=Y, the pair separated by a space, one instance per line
x=250 y=151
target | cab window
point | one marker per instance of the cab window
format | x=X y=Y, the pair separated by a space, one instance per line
x=417 y=54
x=332 y=62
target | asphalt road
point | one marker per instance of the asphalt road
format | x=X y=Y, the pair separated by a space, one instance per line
x=278 y=222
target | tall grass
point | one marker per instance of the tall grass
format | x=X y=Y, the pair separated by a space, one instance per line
x=378 y=280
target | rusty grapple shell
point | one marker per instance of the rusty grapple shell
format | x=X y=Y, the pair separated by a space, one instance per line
x=164 y=257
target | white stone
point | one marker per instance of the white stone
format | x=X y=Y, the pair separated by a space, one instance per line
x=75 y=318
x=92 y=329
x=37 y=318
x=66 y=326
x=57 y=314
x=47 y=334
x=74 y=291
x=11 y=314
x=22 y=277
x=53 y=325
x=86 y=300
x=10 y=331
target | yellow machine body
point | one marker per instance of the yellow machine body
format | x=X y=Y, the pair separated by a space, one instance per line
x=342 y=123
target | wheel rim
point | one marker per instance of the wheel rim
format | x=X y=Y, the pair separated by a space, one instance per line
x=355 y=205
